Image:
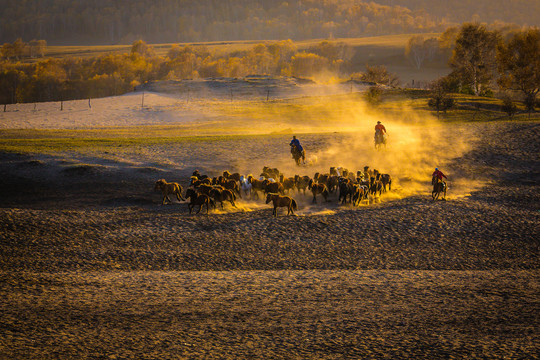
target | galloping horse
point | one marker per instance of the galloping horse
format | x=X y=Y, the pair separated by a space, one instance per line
x=198 y=199
x=380 y=140
x=297 y=155
x=169 y=188
x=317 y=188
x=439 y=187
x=281 y=201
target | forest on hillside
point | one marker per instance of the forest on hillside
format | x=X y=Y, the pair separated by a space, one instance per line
x=85 y=22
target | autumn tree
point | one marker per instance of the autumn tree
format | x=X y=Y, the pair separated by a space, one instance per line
x=447 y=42
x=439 y=98
x=7 y=51
x=474 y=57
x=380 y=75
x=37 y=48
x=181 y=62
x=19 y=48
x=308 y=64
x=142 y=48
x=10 y=80
x=519 y=65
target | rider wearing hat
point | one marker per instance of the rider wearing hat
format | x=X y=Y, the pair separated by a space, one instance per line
x=380 y=127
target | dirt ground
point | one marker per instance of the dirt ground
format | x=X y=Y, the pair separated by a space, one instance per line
x=93 y=267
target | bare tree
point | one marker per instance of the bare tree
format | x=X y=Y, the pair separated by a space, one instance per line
x=415 y=51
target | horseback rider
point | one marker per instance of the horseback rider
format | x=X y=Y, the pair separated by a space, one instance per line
x=380 y=134
x=380 y=129
x=295 y=144
x=438 y=176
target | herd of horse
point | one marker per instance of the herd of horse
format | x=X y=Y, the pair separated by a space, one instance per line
x=204 y=191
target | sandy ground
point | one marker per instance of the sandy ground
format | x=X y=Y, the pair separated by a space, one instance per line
x=92 y=266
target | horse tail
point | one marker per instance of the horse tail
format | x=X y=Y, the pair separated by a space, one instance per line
x=294 y=205
x=390 y=185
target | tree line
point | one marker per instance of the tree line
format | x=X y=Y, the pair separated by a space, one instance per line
x=70 y=78
x=482 y=61
x=20 y=49
x=63 y=22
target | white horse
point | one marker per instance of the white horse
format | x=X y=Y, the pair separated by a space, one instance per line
x=245 y=185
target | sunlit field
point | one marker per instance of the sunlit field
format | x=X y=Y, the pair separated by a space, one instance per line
x=93 y=266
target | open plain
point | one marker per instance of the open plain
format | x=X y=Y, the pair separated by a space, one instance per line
x=93 y=267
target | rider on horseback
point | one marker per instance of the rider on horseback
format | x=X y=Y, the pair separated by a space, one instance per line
x=380 y=133
x=438 y=176
x=295 y=146
x=380 y=130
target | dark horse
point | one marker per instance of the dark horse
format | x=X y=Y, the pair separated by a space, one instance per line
x=297 y=154
x=281 y=201
x=439 y=187
x=198 y=199
x=380 y=140
x=316 y=188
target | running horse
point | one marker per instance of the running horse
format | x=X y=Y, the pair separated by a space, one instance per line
x=380 y=140
x=439 y=187
x=297 y=154
x=281 y=201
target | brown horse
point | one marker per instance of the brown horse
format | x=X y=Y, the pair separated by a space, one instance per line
x=288 y=183
x=318 y=189
x=282 y=201
x=297 y=155
x=360 y=193
x=439 y=187
x=301 y=182
x=223 y=195
x=386 y=179
x=169 y=188
x=273 y=187
x=256 y=185
x=198 y=199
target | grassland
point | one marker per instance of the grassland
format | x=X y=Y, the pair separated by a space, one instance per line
x=321 y=114
x=92 y=266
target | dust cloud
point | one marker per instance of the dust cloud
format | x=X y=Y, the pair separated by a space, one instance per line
x=340 y=133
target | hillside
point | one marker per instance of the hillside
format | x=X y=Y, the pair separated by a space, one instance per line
x=68 y=22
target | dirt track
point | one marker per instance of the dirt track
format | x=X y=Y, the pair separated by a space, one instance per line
x=93 y=270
